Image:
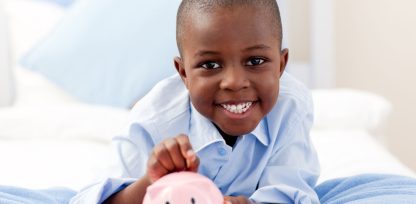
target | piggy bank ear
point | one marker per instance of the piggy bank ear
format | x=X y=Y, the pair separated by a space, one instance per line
x=155 y=193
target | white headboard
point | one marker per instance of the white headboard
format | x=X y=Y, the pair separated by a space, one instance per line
x=322 y=44
x=6 y=82
x=319 y=71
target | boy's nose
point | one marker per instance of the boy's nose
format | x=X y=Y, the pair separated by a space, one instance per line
x=234 y=79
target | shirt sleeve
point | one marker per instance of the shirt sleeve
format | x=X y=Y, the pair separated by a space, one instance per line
x=128 y=164
x=293 y=170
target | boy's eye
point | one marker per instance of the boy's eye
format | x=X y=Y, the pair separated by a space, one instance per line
x=210 y=65
x=255 y=61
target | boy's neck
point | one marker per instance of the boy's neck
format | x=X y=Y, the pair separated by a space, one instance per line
x=230 y=140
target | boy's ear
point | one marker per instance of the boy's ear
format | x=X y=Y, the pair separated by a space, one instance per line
x=284 y=57
x=180 y=68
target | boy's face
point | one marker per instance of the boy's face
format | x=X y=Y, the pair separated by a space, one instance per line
x=231 y=66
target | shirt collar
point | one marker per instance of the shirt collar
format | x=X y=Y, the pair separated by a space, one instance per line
x=203 y=133
x=261 y=132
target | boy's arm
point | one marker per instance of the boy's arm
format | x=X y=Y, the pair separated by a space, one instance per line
x=133 y=194
x=236 y=200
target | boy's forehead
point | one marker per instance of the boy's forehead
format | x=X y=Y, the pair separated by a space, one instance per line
x=198 y=18
x=222 y=11
x=197 y=14
x=238 y=18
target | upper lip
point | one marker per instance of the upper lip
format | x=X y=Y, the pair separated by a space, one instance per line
x=233 y=102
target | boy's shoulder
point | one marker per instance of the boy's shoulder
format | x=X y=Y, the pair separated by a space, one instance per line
x=166 y=100
x=289 y=85
x=293 y=111
x=294 y=98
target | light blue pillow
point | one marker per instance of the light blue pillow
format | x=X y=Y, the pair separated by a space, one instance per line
x=109 y=52
x=64 y=3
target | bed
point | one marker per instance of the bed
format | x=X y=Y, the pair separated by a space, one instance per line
x=51 y=137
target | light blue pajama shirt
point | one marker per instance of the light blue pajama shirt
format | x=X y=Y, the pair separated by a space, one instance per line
x=276 y=163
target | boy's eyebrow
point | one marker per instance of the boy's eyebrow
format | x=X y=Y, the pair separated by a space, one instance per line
x=257 y=47
x=206 y=52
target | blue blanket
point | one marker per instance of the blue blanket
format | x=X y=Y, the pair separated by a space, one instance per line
x=15 y=195
x=368 y=189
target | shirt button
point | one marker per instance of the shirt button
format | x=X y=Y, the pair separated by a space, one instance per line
x=222 y=151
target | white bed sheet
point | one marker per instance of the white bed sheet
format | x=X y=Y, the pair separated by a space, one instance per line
x=350 y=152
x=40 y=164
x=56 y=145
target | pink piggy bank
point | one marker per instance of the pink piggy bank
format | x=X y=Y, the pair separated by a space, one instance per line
x=183 y=188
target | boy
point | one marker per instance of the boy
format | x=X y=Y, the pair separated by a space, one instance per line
x=220 y=117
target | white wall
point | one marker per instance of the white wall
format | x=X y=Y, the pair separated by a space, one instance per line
x=375 y=43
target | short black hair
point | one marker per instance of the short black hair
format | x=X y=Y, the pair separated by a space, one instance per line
x=188 y=7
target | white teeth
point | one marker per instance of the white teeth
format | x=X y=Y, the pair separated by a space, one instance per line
x=239 y=108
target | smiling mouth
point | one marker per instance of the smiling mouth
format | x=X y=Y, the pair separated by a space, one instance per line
x=239 y=108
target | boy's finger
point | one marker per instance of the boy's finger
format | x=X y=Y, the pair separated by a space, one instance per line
x=185 y=145
x=162 y=155
x=178 y=159
x=193 y=164
x=155 y=169
x=187 y=151
x=227 y=200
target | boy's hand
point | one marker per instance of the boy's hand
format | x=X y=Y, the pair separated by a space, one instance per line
x=171 y=155
x=236 y=200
